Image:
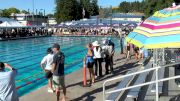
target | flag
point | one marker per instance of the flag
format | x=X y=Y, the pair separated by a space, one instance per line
x=83 y=12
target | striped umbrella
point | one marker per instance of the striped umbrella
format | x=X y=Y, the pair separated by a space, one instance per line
x=162 y=30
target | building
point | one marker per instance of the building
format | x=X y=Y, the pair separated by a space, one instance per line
x=126 y=17
x=52 y=21
x=30 y=19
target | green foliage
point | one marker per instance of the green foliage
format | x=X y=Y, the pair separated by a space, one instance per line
x=9 y=11
x=94 y=8
x=148 y=7
x=67 y=10
x=125 y=7
x=50 y=15
x=13 y=10
x=151 y=6
x=25 y=12
x=5 y=13
x=105 y=12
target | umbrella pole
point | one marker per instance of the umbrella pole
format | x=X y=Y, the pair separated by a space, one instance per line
x=163 y=58
x=156 y=56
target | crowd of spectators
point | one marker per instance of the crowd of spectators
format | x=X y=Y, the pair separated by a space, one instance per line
x=22 y=32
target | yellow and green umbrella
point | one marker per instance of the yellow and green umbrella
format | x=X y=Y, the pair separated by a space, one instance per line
x=161 y=30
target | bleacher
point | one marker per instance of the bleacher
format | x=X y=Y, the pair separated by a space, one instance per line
x=167 y=91
x=133 y=93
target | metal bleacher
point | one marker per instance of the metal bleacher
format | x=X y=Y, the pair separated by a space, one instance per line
x=123 y=83
x=160 y=76
x=133 y=93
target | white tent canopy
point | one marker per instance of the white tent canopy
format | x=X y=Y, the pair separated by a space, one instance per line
x=6 y=22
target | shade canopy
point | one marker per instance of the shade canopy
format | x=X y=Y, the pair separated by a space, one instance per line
x=161 y=30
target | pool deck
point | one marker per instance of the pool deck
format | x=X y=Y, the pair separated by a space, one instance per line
x=75 y=90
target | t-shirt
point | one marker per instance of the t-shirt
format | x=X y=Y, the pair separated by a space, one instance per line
x=111 y=44
x=110 y=48
x=145 y=53
x=58 y=59
x=105 y=49
x=48 y=59
x=7 y=86
x=97 y=53
x=141 y=51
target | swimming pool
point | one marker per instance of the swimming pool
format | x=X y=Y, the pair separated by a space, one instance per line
x=25 y=55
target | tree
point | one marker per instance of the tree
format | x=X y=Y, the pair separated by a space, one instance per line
x=90 y=6
x=125 y=7
x=5 y=13
x=136 y=6
x=85 y=4
x=177 y=2
x=13 y=10
x=148 y=7
x=9 y=11
x=1 y=11
x=104 y=12
x=25 y=12
x=66 y=10
x=94 y=8
x=50 y=15
x=151 y=6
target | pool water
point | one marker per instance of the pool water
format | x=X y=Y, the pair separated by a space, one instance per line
x=25 y=55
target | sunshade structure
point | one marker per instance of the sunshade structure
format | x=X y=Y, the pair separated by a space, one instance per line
x=162 y=30
x=93 y=23
x=9 y=23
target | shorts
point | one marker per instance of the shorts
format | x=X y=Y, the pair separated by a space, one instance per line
x=128 y=48
x=90 y=64
x=136 y=50
x=48 y=74
x=58 y=81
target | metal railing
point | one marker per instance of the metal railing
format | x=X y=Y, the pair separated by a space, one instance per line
x=140 y=85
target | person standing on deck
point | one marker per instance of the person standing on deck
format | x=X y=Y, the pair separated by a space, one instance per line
x=105 y=54
x=128 y=48
x=141 y=53
x=122 y=42
x=58 y=71
x=136 y=51
x=89 y=61
x=109 y=56
x=47 y=63
x=8 y=90
x=97 y=58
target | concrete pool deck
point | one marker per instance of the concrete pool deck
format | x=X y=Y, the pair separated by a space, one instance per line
x=75 y=91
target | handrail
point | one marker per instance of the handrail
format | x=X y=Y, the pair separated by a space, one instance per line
x=144 y=84
x=139 y=72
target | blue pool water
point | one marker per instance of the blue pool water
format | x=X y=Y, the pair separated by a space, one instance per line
x=25 y=55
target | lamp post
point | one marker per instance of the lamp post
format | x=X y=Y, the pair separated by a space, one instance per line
x=111 y=18
x=33 y=10
x=43 y=15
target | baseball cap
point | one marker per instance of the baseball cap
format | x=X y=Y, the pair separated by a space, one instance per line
x=49 y=50
x=56 y=45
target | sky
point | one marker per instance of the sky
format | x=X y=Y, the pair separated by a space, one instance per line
x=48 y=5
